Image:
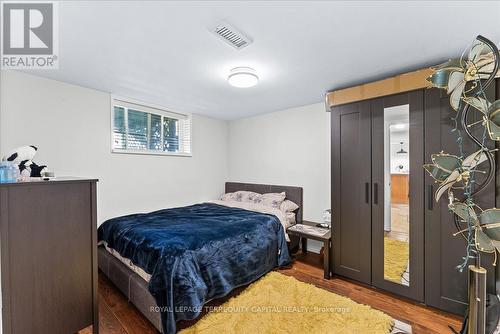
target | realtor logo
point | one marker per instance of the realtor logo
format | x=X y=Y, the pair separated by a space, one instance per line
x=29 y=35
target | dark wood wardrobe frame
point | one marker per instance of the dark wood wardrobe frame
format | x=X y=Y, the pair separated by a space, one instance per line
x=442 y=285
x=415 y=100
x=351 y=210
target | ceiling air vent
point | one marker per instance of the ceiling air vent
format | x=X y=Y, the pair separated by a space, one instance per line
x=231 y=35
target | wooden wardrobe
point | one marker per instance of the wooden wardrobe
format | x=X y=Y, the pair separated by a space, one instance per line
x=359 y=191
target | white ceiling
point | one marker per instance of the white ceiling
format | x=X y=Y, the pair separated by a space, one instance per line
x=162 y=52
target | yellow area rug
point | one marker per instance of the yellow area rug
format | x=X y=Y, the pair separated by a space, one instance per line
x=278 y=304
x=396 y=254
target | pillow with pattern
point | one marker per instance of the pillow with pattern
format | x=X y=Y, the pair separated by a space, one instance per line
x=228 y=197
x=247 y=196
x=273 y=200
x=288 y=206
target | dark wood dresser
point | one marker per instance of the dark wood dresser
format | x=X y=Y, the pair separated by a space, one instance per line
x=49 y=256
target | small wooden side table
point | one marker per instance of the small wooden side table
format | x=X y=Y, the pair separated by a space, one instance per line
x=303 y=231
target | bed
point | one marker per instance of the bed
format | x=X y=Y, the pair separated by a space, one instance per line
x=169 y=272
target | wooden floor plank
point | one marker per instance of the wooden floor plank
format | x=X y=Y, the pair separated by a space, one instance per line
x=131 y=320
x=118 y=316
x=108 y=322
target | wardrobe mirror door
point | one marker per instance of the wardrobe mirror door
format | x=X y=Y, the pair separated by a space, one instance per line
x=397 y=194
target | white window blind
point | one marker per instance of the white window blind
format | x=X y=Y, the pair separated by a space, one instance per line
x=146 y=129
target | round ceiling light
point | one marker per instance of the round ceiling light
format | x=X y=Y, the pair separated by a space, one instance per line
x=243 y=77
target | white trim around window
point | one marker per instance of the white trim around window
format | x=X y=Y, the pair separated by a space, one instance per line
x=144 y=128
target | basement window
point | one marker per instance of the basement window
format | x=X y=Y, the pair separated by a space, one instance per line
x=140 y=128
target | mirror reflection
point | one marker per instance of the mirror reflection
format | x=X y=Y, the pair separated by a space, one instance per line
x=397 y=195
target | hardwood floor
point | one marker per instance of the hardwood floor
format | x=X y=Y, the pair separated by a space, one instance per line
x=422 y=319
x=117 y=316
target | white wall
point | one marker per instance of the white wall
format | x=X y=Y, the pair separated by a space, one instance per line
x=70 y=125
x=289 y=147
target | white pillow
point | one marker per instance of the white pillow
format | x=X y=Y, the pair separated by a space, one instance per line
x=288 y=206
x=272 y=200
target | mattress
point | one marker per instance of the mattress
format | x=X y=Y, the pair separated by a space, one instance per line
x=138 y=270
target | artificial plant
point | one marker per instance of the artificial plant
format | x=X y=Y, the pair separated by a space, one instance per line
x=462 y=178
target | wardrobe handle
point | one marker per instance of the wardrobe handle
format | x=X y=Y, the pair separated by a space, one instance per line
x=375 y=193
x=367 y=192
x=430 y=195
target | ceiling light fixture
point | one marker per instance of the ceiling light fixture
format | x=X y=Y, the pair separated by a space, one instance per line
x=401 y=151
x=243 y=77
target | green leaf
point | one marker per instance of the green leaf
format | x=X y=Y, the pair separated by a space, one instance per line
x=446 y=162
x=494 y=112
x=490 y=222
x=483 y=242
x=478 y=103
x=437 y=173
x=465 y=212
x=440 y=78
x=493 y=131
x=474 y=159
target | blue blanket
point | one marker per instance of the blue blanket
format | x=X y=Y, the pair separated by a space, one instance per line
x=197 y=253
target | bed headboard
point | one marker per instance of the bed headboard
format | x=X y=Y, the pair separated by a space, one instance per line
x=294 y=194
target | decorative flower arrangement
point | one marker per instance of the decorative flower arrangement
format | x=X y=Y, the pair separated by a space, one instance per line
x=466 y=80
x=449 y=170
